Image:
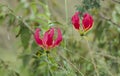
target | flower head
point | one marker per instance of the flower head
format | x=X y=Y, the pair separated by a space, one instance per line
x=87 y=21
x=48 y=41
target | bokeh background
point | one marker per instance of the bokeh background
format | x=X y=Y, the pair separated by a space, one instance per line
x=103 y=38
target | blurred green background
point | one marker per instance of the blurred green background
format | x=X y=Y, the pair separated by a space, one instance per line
x=103 y=39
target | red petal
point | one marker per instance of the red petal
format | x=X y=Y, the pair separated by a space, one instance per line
x=37 y=37
x=75 y=20
x=87 y=21
x=45 y=37
x=50 y=37
x=59 y=38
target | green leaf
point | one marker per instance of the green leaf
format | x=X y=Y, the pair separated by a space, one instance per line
x=11 y=19
x=2 y=17
x=25 y=36
x=89 y=4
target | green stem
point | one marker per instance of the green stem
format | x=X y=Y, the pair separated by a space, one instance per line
x=66 y=11
x=48 y=64
x=91 y=56
x=72 y=64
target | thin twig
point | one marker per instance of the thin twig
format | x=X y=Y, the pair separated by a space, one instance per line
x=69 y=51
x=108 y=19
x=116 y=1
x=26 y=25
x=71 y=64
x=92 y=58
x=110 y=57
x=18 y=18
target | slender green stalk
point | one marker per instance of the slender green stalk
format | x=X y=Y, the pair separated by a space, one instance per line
x=72 y=64
x=66 y=11
x=91 y=56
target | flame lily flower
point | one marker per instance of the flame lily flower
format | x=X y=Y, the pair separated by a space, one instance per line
x=47 y=41
x=87 y=22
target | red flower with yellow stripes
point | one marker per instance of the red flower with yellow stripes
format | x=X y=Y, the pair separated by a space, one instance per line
x=48 y=41
x=87 y=22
